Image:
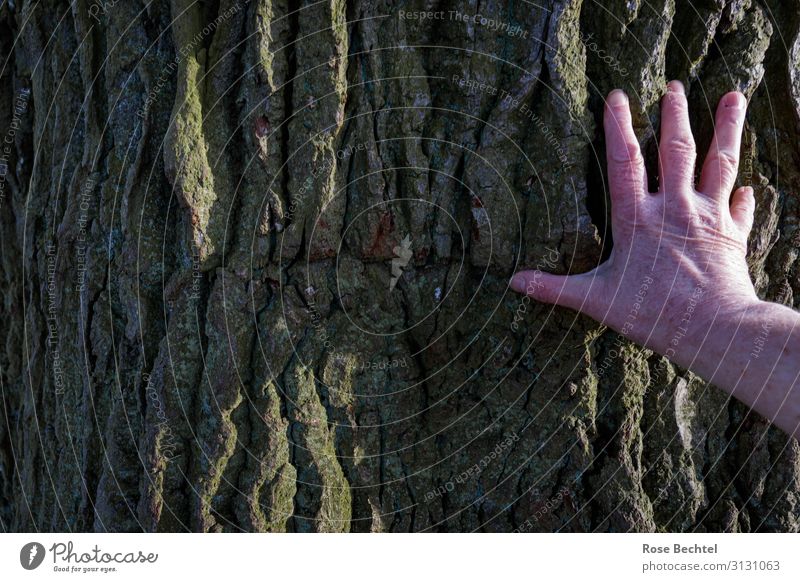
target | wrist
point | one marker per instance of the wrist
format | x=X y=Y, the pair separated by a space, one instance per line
x=702 y=335
x=728 y=338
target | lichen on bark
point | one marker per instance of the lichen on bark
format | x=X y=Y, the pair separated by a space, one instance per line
x=205 y=204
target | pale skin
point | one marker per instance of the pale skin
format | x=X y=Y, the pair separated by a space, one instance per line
x=677 y=281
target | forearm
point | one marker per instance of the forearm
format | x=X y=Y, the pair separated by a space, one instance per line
x=753 y=355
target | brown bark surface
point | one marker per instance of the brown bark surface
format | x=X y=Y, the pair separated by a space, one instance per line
x=254 y=265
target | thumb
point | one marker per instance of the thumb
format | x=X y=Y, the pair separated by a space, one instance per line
x=567 y=291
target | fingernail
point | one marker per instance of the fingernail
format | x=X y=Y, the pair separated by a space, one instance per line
x=734 y=100
x=518 y=283
x=676 y=86
x=617 y=97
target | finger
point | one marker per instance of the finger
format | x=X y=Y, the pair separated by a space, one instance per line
x=677 y=152
x=743 y=207
x=722 y=160
x=567 y=291
x=626 y=174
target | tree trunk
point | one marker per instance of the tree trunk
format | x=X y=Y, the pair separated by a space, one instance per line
x=255 y=265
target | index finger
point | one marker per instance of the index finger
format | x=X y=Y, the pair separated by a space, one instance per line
x=626 y=173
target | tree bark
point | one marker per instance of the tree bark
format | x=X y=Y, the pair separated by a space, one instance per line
x=255 y=264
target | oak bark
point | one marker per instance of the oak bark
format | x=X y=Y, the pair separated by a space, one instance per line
x=255 y=259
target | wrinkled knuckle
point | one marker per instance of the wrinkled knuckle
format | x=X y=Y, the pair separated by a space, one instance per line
x=727 y=164
x=681 y=147
x=628 y=154
x=727 y=160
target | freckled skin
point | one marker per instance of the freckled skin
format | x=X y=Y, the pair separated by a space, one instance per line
x=677 y=280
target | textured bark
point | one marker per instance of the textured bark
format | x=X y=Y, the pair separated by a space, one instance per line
x=201 y=210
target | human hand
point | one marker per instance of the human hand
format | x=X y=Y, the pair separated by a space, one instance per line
x=678 y=261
